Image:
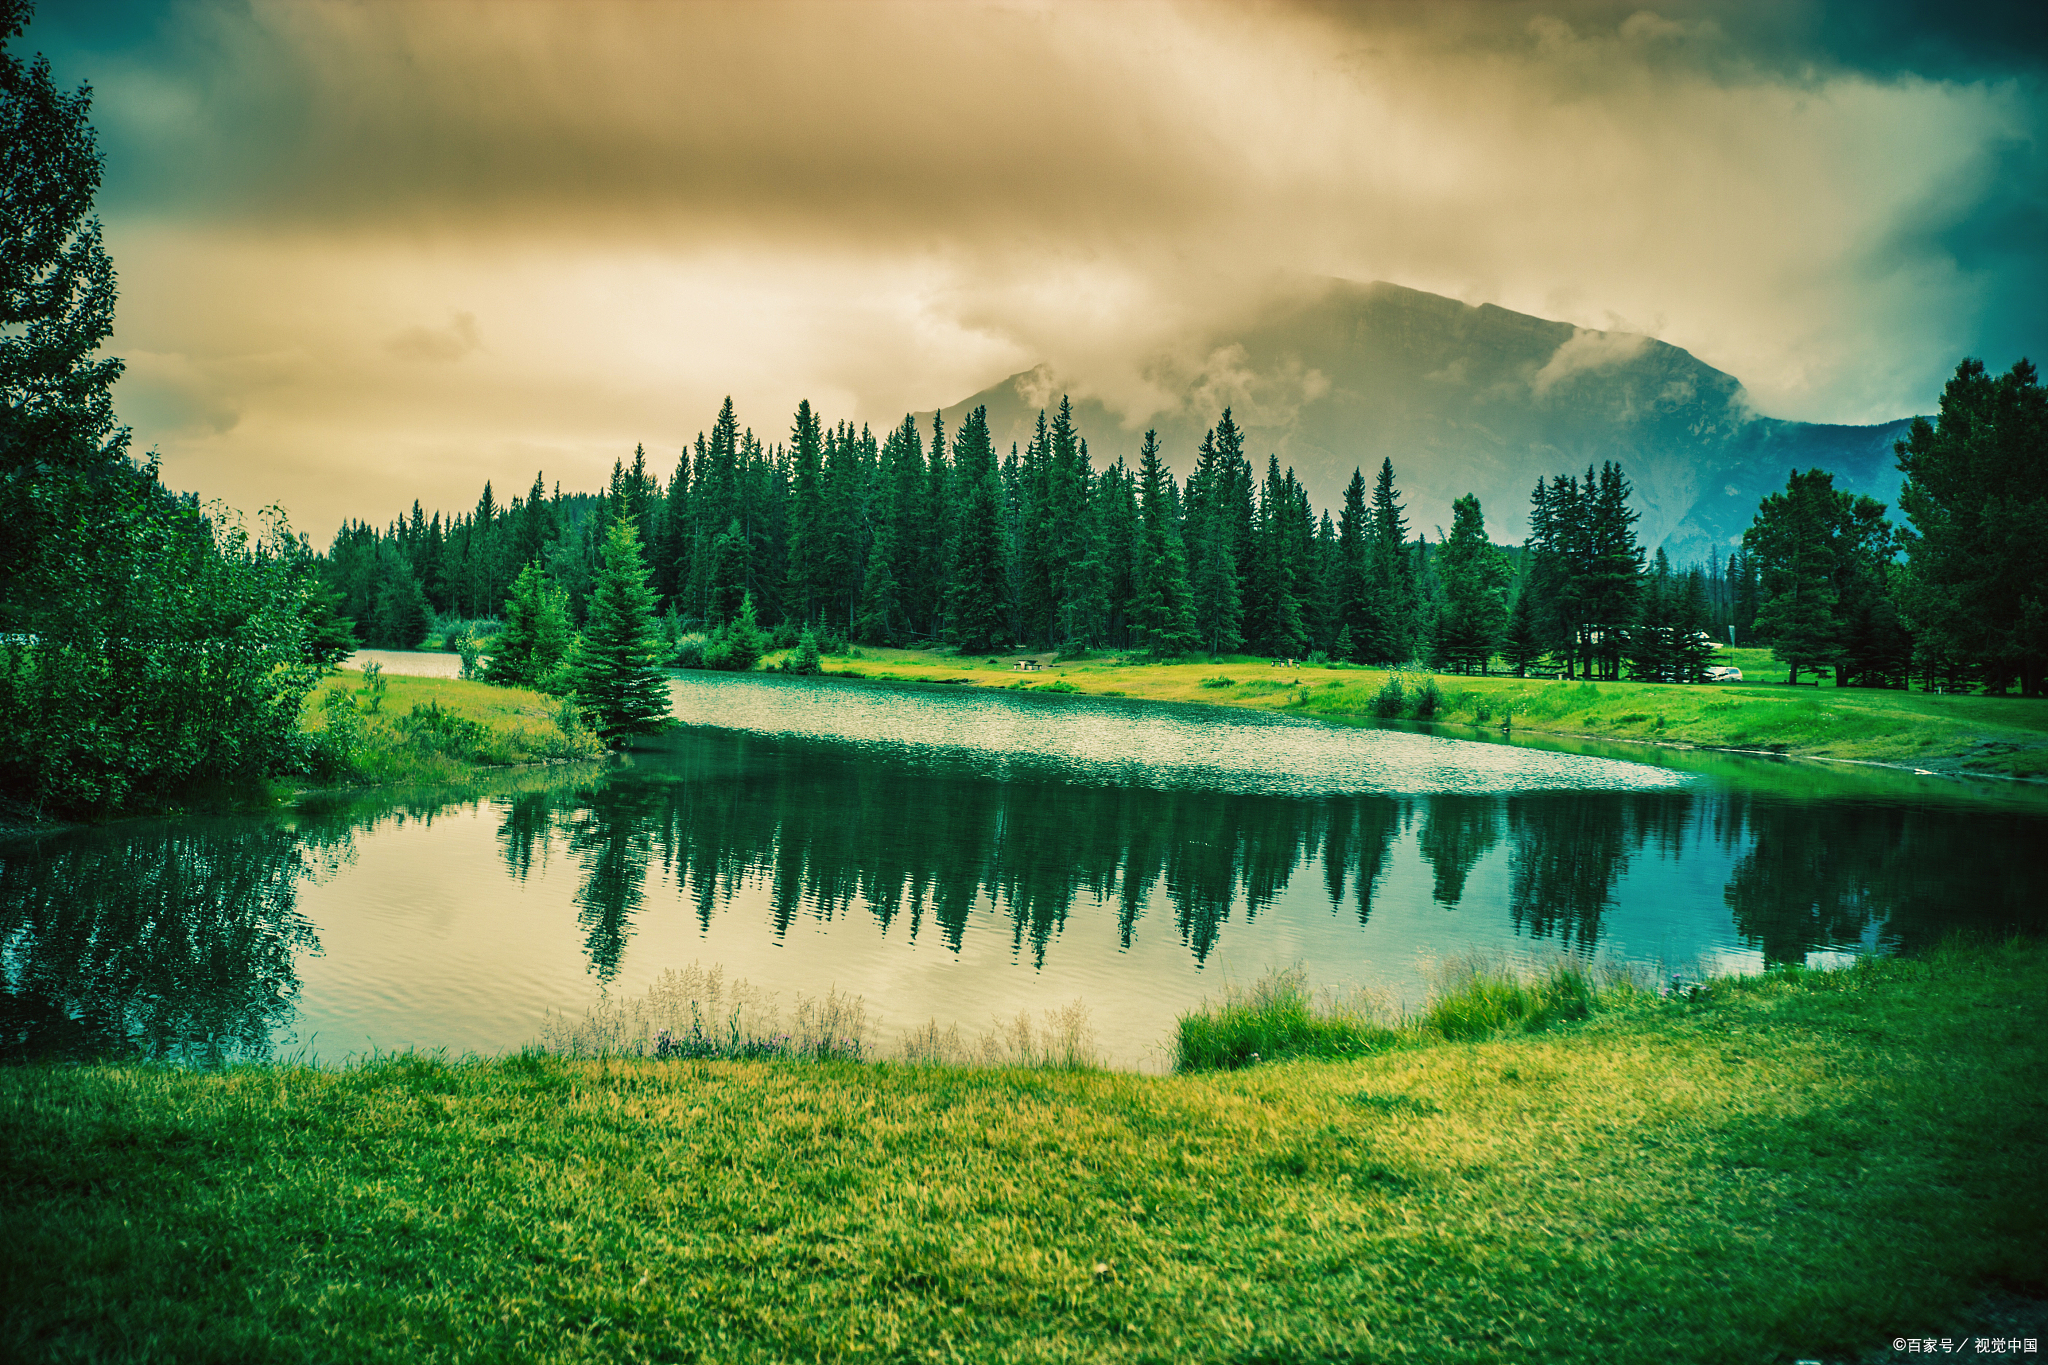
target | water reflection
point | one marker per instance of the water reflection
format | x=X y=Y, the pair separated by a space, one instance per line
x=186 y=940
x=918 y=849
x=165 y=942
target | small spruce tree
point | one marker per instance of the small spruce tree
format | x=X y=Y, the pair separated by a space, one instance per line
x=615 y=674
x=530 y=649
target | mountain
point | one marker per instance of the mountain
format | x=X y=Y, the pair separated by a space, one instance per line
x=1471 y=400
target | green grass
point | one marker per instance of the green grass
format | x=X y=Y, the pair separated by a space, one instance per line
x=2004 y=736
x=1798 y=1165
x=420 y=730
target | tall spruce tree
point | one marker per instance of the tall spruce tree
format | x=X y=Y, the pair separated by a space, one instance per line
x=536 y=638
x=616 y=673
x=1211 y=533
x=980 y=600
x=1358 y=620
x=1390 y=577
x=1471 y=616
x=1162 y=615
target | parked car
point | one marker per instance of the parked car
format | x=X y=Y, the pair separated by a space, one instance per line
x=1719 y=674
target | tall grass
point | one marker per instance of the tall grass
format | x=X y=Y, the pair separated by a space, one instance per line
x=1062 y=1040
x=1278 y=1017
x=697 y=1012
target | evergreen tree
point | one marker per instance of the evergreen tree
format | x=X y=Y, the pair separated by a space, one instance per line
x=616 y=674
x=1791 y=540
x=1475 y=576
x=1652 y=652
x=536 y=638
x=1824 y=559
x=1613 y=579
x=738 y=644
x=1976 y=493
x=1390 y=578
x=399 y=619
x=1354 y=540
x=807 y=577
x=1211 y=533
x=1162 y=614
x=56 y=290
x=1692 y=643
x=1523 y=644
x=979 y=609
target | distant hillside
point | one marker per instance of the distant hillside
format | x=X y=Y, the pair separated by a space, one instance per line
x=1477 y=400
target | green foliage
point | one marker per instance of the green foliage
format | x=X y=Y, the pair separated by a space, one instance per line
x=1818 y=551
x=535 y=642
x=1273 y=1020
x=1478 y=1002
x=1471 y=616
x=736 y=646
x=1976 y=492
x=979 y=606
x=1219 y=681
x=57 y=293
x=160 y=651
x=805 y=660
x=615 y=673
x=1162 y=616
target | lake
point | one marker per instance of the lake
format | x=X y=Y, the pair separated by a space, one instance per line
x=958 y=855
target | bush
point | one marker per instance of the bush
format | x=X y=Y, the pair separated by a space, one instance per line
x=1428 y=700
x=1219 y=681
x=153 y=650
x=1391 y=701
x=689 y=650
x=805 y=660
x=433 y=730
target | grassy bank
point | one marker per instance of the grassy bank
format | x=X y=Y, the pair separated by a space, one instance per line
x=1803 y=1165
x=401 y=729
x=2006 y=736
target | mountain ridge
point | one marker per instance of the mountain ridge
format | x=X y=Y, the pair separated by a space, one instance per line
x=1469 y=398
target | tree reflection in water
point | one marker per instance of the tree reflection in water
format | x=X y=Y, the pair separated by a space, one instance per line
x=168 y=942
x=181 y=940
x=829 y=831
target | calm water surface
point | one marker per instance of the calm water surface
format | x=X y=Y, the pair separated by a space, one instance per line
x=959 y=855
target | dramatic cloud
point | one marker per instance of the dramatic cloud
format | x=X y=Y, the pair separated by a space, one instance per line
x=372 y=250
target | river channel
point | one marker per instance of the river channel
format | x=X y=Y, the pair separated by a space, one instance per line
x=960 y=855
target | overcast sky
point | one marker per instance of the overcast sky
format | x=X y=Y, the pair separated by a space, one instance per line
x=372 y=252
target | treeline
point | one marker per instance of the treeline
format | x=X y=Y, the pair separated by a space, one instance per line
x=925 y=538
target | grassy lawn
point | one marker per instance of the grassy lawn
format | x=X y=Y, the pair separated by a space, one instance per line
x=1991 y=735
x=1800 y=1165
x=411 y=729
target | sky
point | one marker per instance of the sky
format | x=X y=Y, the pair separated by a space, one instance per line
x=376 y=252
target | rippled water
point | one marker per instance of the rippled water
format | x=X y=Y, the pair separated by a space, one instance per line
x=954 y=856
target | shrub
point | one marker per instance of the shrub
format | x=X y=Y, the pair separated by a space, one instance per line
x=805 y=659
x=689 y=650
x=1219 y=681
x=1428 y=700
x=1391 y=700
